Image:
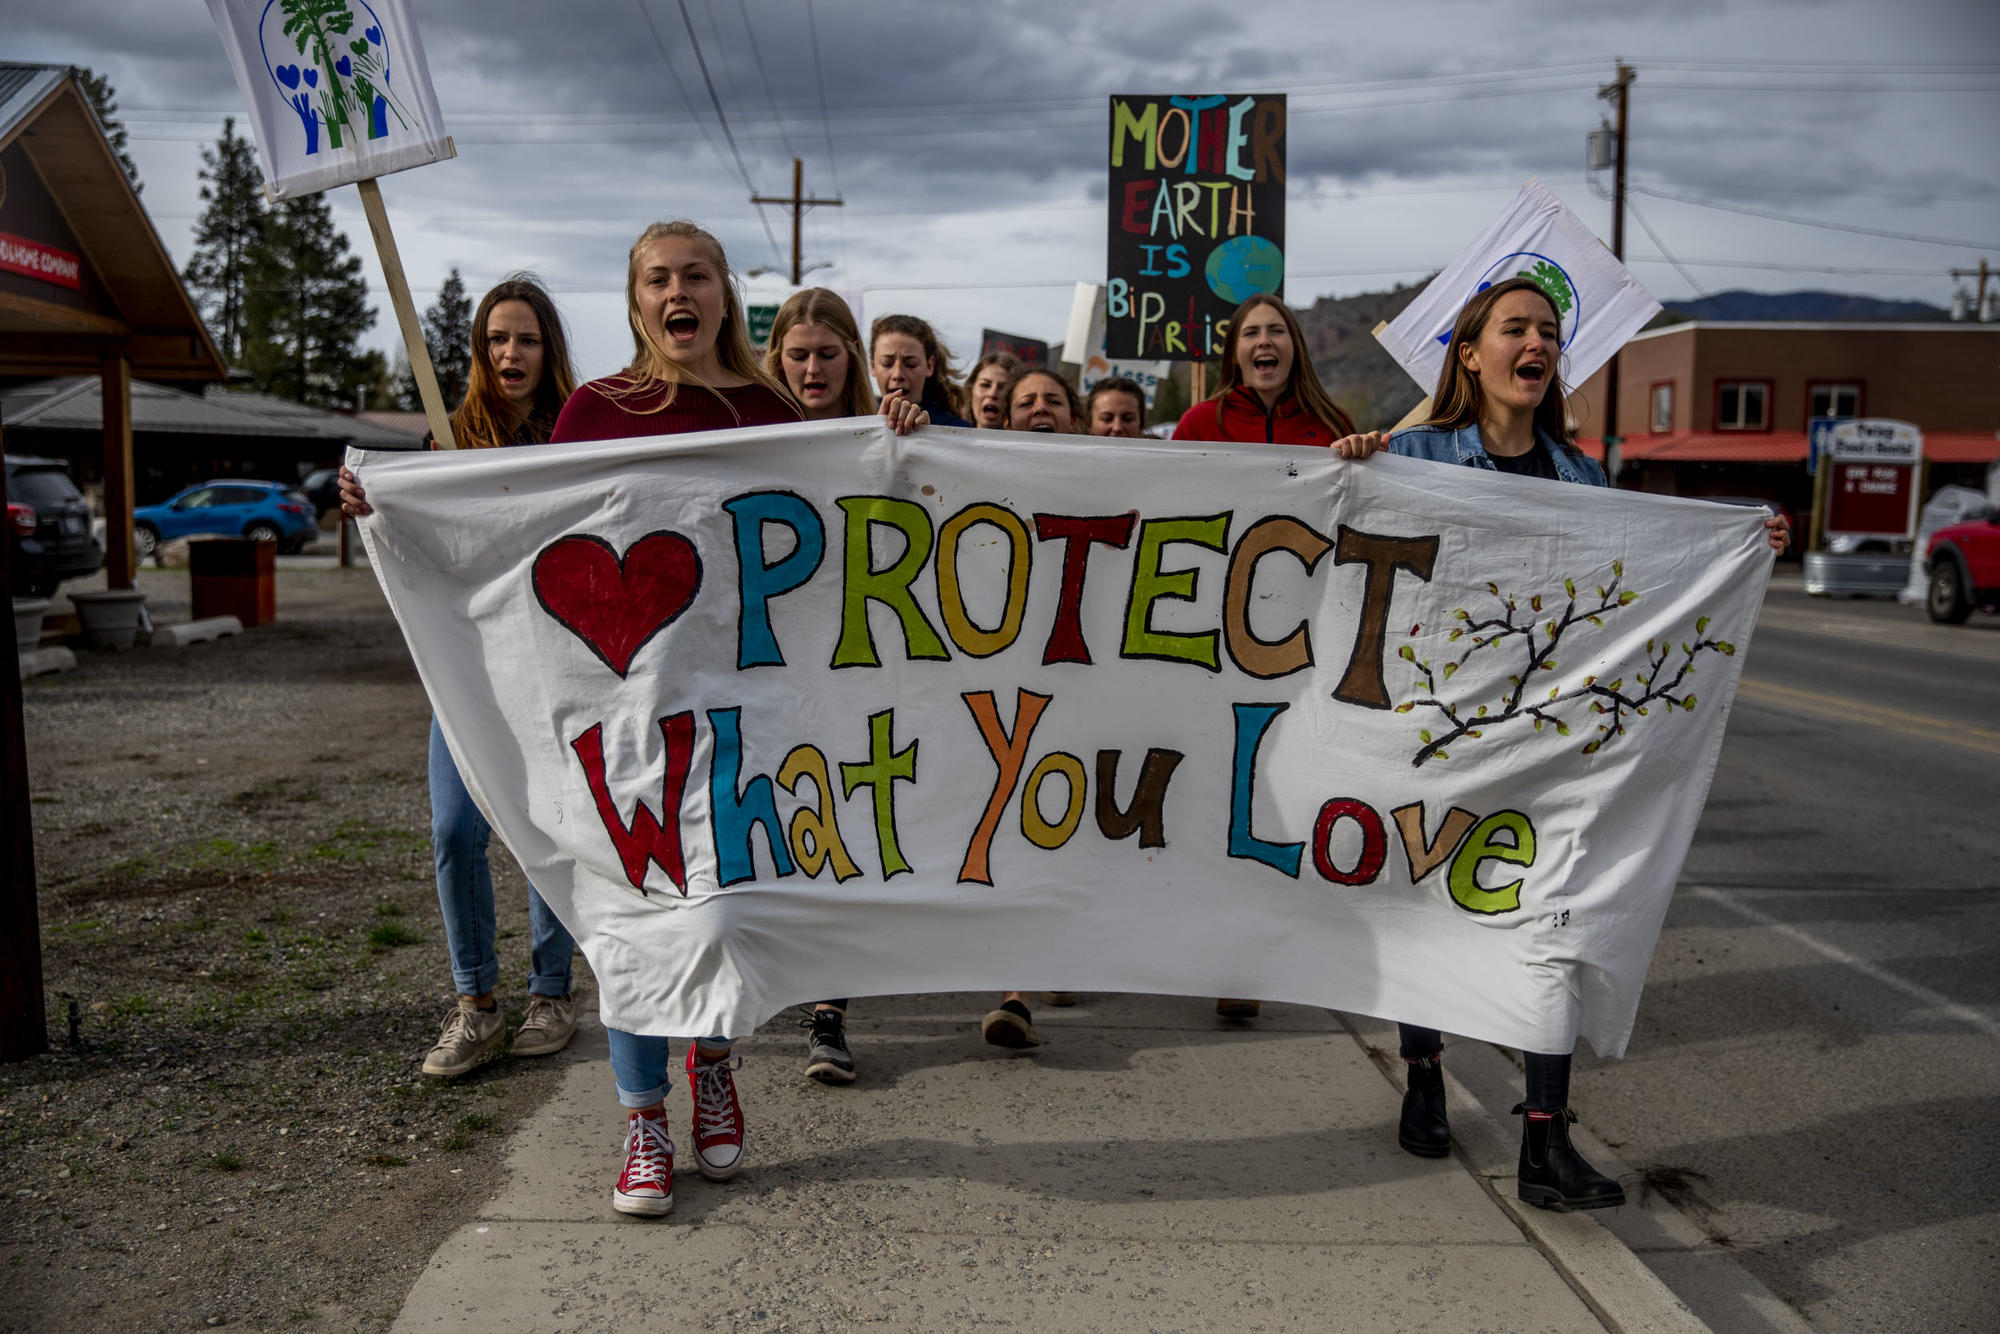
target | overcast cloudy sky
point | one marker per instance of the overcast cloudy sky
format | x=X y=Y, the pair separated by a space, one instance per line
x=968 y=139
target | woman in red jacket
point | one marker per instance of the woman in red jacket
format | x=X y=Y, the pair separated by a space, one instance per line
x=1269 y=393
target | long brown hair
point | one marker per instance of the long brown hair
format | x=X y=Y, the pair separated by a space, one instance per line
x=652 y=370
x=1303 y=381
x=486 y=417
x=824 y=307
x=1459 y=399
x=942 y=386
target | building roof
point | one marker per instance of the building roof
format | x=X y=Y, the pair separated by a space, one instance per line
x=154 y=323
x=1780 y=447
x=1816 y=326
x=72 y=403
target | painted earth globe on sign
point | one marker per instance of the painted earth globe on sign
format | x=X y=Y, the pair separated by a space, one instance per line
x=1245 y=266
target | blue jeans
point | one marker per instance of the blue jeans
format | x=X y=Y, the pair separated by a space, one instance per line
x=459 y=835
x=639 y=1065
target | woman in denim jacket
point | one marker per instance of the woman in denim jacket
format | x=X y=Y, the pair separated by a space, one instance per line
x=1493 y=409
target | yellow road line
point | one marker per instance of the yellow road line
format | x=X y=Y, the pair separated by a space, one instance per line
x=1842 y=709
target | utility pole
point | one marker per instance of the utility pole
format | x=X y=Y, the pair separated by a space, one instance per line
x=1616 y=91
x=799 y=204
x=1982 y=273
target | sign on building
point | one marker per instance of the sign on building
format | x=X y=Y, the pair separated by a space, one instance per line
x=760 y=319
x=1872 y=492
x=1197 y=219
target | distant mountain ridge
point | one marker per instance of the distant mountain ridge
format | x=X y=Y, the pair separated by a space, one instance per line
x=1804 y=306
x=1366 y=381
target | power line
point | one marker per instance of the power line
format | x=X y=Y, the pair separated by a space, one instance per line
x=1815 y=222
x=763 y=76
x=1686 y=277
x=716 y=102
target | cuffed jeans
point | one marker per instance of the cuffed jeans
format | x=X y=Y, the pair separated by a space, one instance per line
x=639 y=1065
x=459 y=838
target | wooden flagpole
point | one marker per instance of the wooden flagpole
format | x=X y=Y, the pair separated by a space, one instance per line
x=406 y=314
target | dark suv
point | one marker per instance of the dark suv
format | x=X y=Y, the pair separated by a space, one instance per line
x=48 y=528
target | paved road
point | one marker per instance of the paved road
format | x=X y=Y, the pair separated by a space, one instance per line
x=1820 y=1036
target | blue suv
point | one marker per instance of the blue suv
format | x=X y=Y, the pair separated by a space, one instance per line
x=260 y=511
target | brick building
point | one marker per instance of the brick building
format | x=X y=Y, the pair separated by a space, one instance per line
x=1721 y=408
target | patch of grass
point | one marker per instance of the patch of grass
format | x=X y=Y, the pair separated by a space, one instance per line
x=201 y=923
x=387 y=1160
x=226 y=1161
x=472 y=1121
x=77 y=928
x=358 y=841
x=456 y=1143
x=132 y=867
x=388 y=909
x=221 y=854
x=135 y=1006
x=254 y=936
x=392 y=935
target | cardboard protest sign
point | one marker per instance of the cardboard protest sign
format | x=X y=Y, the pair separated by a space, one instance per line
x=1085 y=348
x=1197 y=213
x=1028 y=351
x=338 y=90
x=800 y=711
x=1600 y=303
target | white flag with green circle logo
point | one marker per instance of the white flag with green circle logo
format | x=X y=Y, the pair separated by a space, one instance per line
x=1600 y=302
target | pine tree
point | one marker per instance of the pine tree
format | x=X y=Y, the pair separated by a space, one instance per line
x=306 y=309
x=227 y=237
x=448 y=335
x=104 y=100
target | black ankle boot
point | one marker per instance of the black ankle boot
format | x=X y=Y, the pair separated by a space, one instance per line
x=1553 y=1175
x=1423 y=1129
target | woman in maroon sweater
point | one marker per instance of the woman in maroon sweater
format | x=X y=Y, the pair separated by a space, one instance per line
x=692 y=368
x=1269 y=393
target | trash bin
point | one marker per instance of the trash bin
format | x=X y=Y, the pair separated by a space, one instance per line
x=233 y=576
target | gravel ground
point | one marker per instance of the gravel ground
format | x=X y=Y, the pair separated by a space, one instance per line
x=244 y=966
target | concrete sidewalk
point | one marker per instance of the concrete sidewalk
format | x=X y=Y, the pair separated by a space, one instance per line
x=1149 y=1168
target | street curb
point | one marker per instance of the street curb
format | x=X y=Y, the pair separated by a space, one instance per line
x=1614 y=1283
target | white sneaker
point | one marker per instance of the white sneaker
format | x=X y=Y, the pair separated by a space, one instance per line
x=471 y=1036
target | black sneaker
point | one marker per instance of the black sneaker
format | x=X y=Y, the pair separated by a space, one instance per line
x=827 y=1058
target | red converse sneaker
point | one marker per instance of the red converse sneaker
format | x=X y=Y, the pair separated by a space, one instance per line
x=718 y=1116
x=646 y=1186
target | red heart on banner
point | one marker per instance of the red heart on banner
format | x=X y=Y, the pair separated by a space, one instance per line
x=615 y=605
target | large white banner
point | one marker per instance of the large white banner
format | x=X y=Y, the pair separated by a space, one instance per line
x=1600 y=303
x=338 y=90
x=783 y=713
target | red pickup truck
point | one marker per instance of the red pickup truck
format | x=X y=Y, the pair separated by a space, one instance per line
x=1964 y=563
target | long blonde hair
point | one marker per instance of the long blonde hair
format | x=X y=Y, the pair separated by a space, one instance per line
x=1304 y=380
x=823 y=306
x=652 y=370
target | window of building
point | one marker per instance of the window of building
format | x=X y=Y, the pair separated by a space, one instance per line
x=1743 y=405
x=1829 y=399
x=1662 y=419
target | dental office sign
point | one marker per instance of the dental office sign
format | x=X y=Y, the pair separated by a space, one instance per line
x=798 y=711
x=1600 y=303
x=1872 y=492
x=337 y=89
x=1197 y=211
